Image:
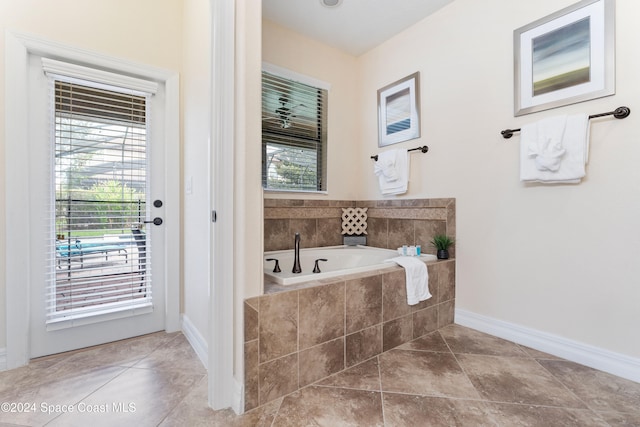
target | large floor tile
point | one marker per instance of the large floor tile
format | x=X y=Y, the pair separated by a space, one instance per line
x=468 y=341
x=516 y=380
x=330 y=407
x=138 y=397
x=52 y=391
x=536 y=354
x=617 y=419
x=507 y=415
x=365 y=376
x=176 y=355
x=430 y=342
x=599 y=390
x=402 y=410
x=452 y=377
x=424 y=373
x=194 y=411
x=14 y=380
x=259 y=417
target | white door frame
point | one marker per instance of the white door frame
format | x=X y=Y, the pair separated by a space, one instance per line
x=18 y=47
x=224 y=391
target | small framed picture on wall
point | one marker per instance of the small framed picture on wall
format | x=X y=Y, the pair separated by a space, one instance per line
x=398 y=111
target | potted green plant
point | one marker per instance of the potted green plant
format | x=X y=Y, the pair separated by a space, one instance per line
x=442 y=242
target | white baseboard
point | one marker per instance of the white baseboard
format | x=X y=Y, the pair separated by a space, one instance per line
x=196 y=340
x=597 y=358
x=201 y=348
x=3 y=359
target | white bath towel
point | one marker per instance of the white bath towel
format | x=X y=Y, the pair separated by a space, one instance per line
x=392 y=169
x=417 y=278
x=555 y=150
x=386 y=166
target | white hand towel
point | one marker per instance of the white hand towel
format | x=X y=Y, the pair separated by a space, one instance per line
x=555 y=150
x=386 y=166
x=392 y=169
x=417 y=278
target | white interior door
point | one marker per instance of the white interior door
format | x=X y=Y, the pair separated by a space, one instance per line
x=96 y=181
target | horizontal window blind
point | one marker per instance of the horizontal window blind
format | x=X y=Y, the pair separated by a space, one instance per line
x=99 y=254
x=294 y=135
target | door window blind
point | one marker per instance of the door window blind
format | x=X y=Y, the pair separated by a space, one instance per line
x=294 y=135
x=98 y=250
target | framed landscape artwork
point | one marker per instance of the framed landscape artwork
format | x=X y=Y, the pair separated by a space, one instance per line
x=398 y=111
x=566 y=57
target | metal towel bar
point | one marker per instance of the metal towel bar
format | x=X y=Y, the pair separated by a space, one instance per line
x=618 y=113
x=424 y=149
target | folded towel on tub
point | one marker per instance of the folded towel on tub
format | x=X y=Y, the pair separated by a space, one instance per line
x=417 y=278
x=555 y=150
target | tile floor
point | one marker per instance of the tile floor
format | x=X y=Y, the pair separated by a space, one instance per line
x=453 y=377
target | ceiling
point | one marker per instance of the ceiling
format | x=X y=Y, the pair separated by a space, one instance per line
x=354 y=26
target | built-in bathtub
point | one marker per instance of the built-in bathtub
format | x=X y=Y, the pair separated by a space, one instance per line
x=341 y=260
x=298 y=334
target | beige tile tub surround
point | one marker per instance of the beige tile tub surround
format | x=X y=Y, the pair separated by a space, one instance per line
x=390 y=224
x=297 y=337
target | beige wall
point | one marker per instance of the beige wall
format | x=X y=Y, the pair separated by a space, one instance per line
x=289 y=50
x=144 y=31
x=558 y=259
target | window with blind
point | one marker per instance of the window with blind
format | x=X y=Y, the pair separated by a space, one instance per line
x=294 y=135
x=99 y=251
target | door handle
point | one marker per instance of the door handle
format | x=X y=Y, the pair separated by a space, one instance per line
x=156 y=221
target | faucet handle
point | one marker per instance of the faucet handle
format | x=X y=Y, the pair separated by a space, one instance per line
x=276 y=268
x=316 y=269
